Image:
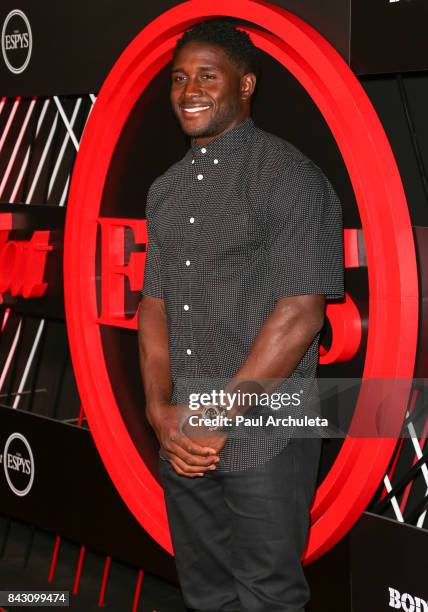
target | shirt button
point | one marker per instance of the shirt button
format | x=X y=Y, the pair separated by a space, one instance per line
x=200 y=177
x=192 y=219
x=186 y=306
x=216 y=161
x=193 y=161
x=203 y=150
x=188 y=351
x=188 y=262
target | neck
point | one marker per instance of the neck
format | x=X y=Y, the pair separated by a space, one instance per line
x=204 y=140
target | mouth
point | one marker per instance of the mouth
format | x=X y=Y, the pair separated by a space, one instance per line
x=194 y=110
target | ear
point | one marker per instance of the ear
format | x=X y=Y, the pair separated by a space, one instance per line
x=247 y=85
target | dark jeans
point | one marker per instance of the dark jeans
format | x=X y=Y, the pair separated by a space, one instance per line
x=238 y=536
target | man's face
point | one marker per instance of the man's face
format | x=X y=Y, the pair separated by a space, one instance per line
x=205 y=90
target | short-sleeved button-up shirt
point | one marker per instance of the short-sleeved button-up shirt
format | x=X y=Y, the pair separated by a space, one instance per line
x=234 y=226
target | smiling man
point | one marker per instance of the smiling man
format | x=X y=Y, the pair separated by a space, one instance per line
x=245 y=244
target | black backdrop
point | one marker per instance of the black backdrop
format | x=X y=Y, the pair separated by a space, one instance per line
x=74 y=47
x=76 y=43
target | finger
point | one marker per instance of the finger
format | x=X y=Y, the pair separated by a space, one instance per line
x=195 y=461
x=176 y=466
x=190 y=451
x=194 y=448
x=191 y=459
x=192 y=469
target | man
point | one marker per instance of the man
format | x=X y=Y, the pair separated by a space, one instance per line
x=245 y=244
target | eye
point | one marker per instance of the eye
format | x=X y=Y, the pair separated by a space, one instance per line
x=209 y=76
x=178 y=77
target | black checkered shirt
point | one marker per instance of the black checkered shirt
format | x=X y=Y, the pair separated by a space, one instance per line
x=234 y=226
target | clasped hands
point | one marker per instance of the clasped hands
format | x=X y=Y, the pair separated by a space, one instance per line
x=192 y=450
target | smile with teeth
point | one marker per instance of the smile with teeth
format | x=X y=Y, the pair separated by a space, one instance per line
x=194 y=109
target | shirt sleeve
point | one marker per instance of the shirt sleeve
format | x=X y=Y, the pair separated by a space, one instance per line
x=152 y=284
x=304 y=234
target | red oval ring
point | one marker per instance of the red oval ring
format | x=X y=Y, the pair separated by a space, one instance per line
x=393 y=287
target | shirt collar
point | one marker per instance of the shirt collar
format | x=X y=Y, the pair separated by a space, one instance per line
x=227 y=142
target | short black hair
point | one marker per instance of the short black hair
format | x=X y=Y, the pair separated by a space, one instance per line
x=222 y=32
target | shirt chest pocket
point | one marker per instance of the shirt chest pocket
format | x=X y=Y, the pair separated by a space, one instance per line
x=223 y=243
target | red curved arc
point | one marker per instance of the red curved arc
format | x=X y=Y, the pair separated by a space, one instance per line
x=383 y=278
x=393 y=288
x=346 y=328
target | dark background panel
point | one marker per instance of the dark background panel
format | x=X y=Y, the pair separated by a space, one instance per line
x=73 y=495
x=388 y=36
x=400 y=102
x=75 y=44
x=378 y=547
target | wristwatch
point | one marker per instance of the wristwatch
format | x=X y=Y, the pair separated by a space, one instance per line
x=211 y=412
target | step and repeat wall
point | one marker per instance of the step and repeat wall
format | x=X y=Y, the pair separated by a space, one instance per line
x=85 y=127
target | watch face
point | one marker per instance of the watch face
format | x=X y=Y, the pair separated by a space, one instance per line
x=210 y=412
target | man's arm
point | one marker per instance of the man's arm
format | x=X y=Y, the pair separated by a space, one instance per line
x=154 y=357
x=278 y=347
x=305 y=256
x=281 y=343
x=186 y=456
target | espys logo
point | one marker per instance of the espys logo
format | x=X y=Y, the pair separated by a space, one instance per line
x=406 y=602
x=18 y=464
x=16 y=41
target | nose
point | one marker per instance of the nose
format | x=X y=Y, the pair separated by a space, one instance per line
x=192 y=88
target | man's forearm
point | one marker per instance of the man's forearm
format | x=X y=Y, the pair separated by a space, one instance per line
x=154 y=356
x=187 y=457
x=279 y=346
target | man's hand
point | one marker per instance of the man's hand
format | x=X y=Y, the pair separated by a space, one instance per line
x=202 y=434
x=187 y=457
